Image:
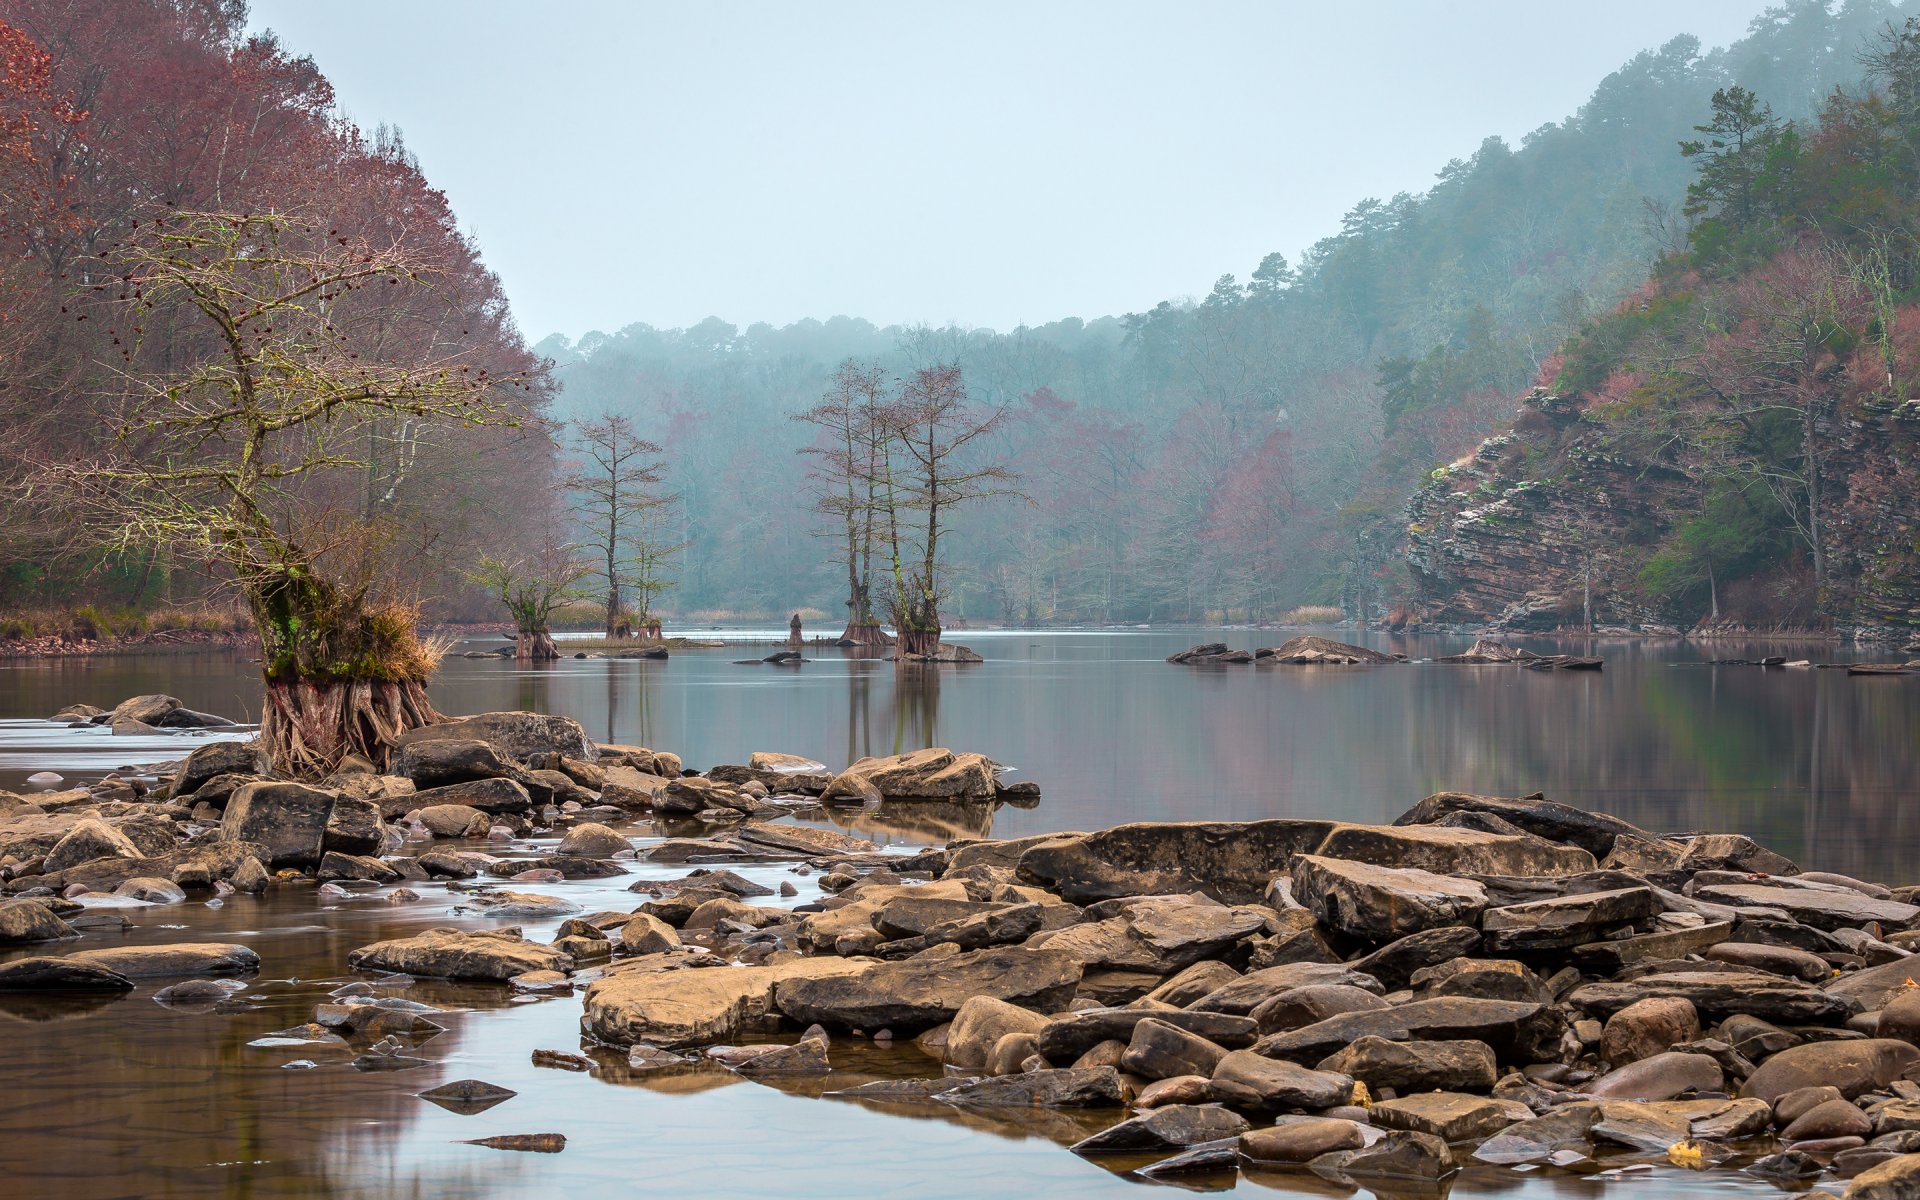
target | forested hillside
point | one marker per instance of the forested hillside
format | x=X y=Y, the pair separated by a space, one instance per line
x=119 y=115
x=1251 y=450
x=1738 y=445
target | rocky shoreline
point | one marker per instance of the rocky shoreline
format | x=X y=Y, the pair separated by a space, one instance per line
x=1486 y=985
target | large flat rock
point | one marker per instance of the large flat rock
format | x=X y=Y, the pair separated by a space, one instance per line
x=177 y=960
x=1232 y=861
x=1564 y=921
x=922 y=992
x=1592 y=832
x=1379 y=904
x=690 y=1006
x=496 y=955
x=518 y=734
x=1517 y=1032
x=1721 y=994
x=1446 y=850
x=1819 y=906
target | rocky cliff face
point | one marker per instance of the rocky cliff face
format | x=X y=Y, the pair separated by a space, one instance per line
x=1537 y=523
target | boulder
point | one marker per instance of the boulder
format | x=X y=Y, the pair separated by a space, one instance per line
x=1874 y=987
x=1833 y=1119
x=1895 y=1179
x=1449 y=1116
x=1298 y=1007
x=1565 y=921
x=179 y=960
x=335 y=865
x=187 y=718
x=354 y=826
x=1379 y=904
x=808 y=1056
x=1301 y=1141
x=689 y=1007
x=1089 y=1087
x=1721 y=994
x=1160 y=1050
x=1172 y=1127
x=1733 y=852
x=440 y=761
x=287 y=821
x=1069 y=1036
x=60 y=975
x=1516 y=1031
x=1780 y=960
x=215 y=759
x=644 y=933
x=1256 y=1083
x=1648 y=1027
x=1231 y=861
x=518 y=735
x=1416 y=1066
x=1901 y=1017
x=980 y=1023
x=1854 y=1067
x=1660 y=1077
x=1401 y=1154
x=1448 y=850
x=1247 y=993
x=932 y=774
x=592 y=841
x=1211 y=654
x=1308 y=650
x=1611 y=956
x=454 y=821
x=1593 y=832
x=87 y=840
x=1395 y=963
x=487 y=795
x=1536 y=1140
x=1823 y=907
x=148 y=710
x=25 y=921
x=494 y=954
x=919 y=993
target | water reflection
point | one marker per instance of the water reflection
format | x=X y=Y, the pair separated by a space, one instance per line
x=1816 y=763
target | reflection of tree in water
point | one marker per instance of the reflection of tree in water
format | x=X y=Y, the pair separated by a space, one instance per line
x=916 y=707
x=631 y=682
x=860 y=673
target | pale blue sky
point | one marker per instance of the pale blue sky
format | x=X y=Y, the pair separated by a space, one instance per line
x=986 y=162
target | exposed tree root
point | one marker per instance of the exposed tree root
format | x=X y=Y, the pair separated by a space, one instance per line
x=308 y=728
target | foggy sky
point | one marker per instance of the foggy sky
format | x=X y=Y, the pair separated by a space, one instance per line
x=989 y=163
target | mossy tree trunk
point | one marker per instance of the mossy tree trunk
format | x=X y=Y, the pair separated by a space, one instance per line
x=340 y=679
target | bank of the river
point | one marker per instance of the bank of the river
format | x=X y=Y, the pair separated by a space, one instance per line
x=1485 y=993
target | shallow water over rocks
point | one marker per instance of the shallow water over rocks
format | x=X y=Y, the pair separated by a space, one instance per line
x=129 y=1097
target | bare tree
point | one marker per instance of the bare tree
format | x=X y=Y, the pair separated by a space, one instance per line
x=241 y=442
x=849 y=466
x=618 y=496
x=936 y=427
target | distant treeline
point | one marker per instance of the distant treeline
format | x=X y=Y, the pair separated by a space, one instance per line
x=1251 y=450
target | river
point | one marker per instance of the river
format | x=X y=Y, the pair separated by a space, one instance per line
x=131 y=1098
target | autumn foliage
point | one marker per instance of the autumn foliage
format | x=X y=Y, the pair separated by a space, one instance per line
x=115 y=112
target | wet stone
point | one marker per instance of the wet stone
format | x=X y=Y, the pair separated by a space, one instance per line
x=1168 y=1128
x=468 y=1096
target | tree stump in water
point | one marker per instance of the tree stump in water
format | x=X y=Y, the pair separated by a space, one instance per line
x=536 y=646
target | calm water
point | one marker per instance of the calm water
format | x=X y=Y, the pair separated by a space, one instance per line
x=131 y=1099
